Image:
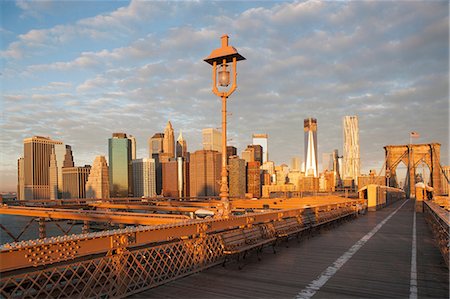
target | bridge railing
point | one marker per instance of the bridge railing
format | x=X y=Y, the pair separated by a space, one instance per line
x=126 y=261
x=438 y=219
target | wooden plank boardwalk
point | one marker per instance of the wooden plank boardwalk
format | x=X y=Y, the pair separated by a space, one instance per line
x=353 y=260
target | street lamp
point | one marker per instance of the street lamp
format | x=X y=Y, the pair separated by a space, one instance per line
x=220 y=58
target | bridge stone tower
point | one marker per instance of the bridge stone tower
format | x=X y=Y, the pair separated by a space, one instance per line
x=411 y=155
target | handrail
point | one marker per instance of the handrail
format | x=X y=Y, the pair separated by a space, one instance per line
x=438 y=219
x=58 y=249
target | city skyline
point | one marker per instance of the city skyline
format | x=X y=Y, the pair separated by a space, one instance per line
x=66 y=76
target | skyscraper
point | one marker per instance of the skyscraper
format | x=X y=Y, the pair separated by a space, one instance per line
x=144 y=177
x=155 y=144
x=204 y=173
x=37 y=152
x=248 y=154
x=262 y=140
x=155 y=150
x=231 y=151
x=68 y=157
x=20 y=179
x=258 y=152
x=212 y=139
x=120 y=174
x=254 y=179
x=181 y=147
x=133 y=146
x=351 y=148
x=175 y=175
x=237 y=177
x=295 y=164
x=74 y=181
x=53 y=173
x=169 y=141
x=97 y=185
x=311 y=165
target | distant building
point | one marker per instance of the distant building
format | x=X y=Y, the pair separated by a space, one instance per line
x=133 y=146
x=281 y=174
x=53 y=176
x=155 y=144
x=311 y=165
x=181 y=147
x=68 y=157
x=204 y=173
x=262 y=140
x=295 y=164
x=169 y=141
x=294 y=178
x=212 y=139
x=97 y=185
x=258 y=152
x=237 y=177
x=37 y=152
x=231 y=151
x=248 y=154
x=74 y=181
x=337 y=161
x=183 y=177
x=351 y=148
x=254 y=179
x=144 y=183
x=309 y=184
x=120 y=173
x=20 y=179
x=175 y=178
x=170 y=178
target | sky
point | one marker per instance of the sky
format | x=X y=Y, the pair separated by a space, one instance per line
x=78 y=71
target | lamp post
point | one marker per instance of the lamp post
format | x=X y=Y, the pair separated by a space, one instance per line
x=220 y=59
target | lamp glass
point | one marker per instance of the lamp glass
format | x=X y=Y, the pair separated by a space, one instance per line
x=224 y=77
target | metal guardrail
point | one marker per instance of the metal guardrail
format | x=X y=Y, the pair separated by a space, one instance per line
x=126 y=261
x=439 y=221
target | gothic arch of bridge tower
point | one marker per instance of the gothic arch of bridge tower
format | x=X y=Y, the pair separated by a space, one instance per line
x=411 y=155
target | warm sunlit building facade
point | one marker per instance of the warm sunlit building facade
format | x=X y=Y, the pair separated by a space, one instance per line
x=74 y=181
x=311 y=163
x=37 y=152
x=262 y=140
x=212 y=139
x=97 y=185
x=351 y=166
x=204 y=173
x=144 y=177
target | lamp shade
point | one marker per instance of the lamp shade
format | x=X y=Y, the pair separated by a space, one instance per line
x=225 y=52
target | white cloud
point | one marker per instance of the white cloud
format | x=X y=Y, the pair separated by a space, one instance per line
x=303 y=59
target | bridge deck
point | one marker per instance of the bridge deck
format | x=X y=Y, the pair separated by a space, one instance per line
x=380 y=267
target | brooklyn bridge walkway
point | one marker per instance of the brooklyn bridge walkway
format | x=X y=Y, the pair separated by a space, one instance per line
x=380 y=255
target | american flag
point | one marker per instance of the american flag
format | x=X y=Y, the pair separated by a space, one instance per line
x=414 y=135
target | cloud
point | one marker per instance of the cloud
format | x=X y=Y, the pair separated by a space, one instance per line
x=116 y=24
x=386 y=62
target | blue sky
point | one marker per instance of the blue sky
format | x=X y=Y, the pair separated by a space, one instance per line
x=78 y=71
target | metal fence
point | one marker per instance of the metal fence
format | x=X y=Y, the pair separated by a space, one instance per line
x=119 y=263
x=438 y=220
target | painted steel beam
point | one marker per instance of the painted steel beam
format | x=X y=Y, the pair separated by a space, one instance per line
x=58 y=249
x=97 y=216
